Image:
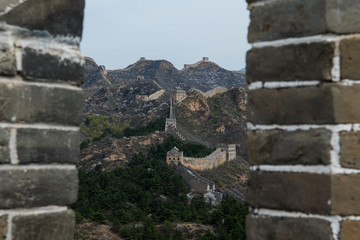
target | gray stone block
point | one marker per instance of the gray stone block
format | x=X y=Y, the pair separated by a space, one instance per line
x=278 y=147
x=54 y=226
x=6 y=3
x=326 y=104
x=4 y=146
x=303 y=192
x=38 y=104
x=7 y=59
x=299 y=18
x=3 y=226
x=350 y=58
x=50 y=68
x=37 y=187
x=300 y=62
x=47 y=146
x=59 y=17
x=285 y=228
x=284 y=19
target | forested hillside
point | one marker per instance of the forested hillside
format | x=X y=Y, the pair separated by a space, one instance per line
x=147 y=199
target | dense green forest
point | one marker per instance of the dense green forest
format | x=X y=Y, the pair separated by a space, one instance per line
x=149 y=192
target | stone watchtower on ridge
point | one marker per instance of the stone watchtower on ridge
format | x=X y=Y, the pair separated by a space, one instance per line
x=171 y=121
x=179 y=95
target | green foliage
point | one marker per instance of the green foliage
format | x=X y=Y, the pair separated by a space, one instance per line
x=99 y=126
x=156 y=125
x=149 y=192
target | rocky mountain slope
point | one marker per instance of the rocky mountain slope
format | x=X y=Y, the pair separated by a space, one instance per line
x=123 y=114
x=140 y=94
x=204 y=75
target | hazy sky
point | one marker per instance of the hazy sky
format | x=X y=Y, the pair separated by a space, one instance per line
x=118 y=32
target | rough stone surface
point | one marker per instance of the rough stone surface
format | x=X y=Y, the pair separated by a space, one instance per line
x=59 y=17
x=298 y=18
x=54 y=226
x=6 y=3
x=31 y=104
x=4 y=146
x=7 y=59
x=350 y=58
x=350 y=149
x=343 y=16
x=278 y=147
x=47 y=146
x=44 y=66
x=299 y=62
x=272 y=106
x=284 y=228
x=345 y=199
x=350 y=230
x=326 y=104
x=281 y=19
x=35 y=188
x=302 y=192
x=3 y=227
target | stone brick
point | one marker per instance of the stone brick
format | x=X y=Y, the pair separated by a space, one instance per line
x=350 y=230
x=3 y=227
x=38 y=104
x=4 y=146
x=7 y=59
x=326 y=104
x=302 y=192
x=47 y=146
x=350 y=149
x=37 y=187
x=285 y=228
x=278 y=147
x=44 y=66
x=59 y=17
x=6 y=3
x=284 y=19
x=54 y=226
x=345 y=199
x=291 y=62
x=350 y=58
x=299 y=18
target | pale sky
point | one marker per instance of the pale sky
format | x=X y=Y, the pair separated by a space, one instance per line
x=118 y=32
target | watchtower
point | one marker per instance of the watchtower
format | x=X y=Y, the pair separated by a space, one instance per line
x=179 y=94
x=230 y=151
x=174 y=156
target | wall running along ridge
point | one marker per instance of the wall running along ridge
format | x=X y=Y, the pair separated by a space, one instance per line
x=41 y=68
x=304 y=120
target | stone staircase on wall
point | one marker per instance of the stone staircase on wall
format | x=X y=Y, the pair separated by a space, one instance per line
x=171 y=130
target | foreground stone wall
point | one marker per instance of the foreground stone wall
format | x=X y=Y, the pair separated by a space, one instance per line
x=304 y=115
x=41 y=68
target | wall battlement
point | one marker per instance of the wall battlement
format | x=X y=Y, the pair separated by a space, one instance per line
x=187 y=66
x=216 y=158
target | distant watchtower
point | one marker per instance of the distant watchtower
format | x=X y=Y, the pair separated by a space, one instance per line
x=174 y=156
x=179 y=94
x=171 y=121
x=230 y=150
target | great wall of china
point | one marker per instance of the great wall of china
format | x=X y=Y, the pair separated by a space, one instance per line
x=185 y=165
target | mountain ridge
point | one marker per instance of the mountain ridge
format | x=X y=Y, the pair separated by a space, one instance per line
x=203 y=75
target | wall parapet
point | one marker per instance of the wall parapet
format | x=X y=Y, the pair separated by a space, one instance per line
x=41 y=69
x=216 y=158
x=303 y=135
